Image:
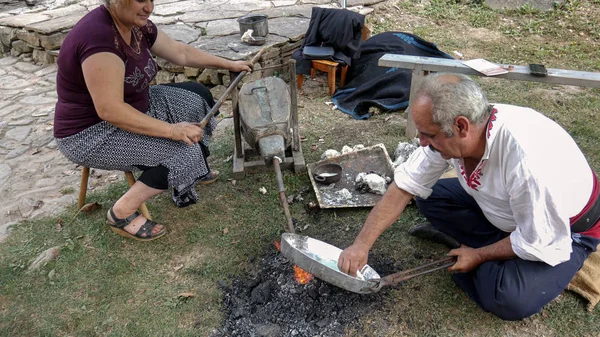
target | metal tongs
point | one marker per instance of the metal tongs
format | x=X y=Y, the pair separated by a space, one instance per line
x=394 y=279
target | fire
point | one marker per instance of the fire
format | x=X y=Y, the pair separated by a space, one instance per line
x=302 y=276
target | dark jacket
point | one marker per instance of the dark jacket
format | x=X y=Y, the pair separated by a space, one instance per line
x=338 y=28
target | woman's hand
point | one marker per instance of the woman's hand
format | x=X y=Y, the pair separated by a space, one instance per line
x=239 y=66
x=190 y=133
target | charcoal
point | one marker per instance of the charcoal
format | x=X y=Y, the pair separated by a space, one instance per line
x=276 y=305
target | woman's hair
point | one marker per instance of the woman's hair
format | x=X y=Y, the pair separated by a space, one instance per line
x=109 y=2
x=460 y=96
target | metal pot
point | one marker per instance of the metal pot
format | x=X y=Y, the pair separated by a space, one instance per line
x=257 y=22
x=327 y=173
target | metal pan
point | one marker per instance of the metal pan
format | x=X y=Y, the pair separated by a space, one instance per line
x=321 y=259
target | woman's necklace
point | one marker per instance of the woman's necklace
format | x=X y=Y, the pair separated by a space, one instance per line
x=139 y=49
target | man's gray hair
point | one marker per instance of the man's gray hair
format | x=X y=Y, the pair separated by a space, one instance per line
x=450 y=99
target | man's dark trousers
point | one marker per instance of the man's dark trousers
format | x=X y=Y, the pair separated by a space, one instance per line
x=511 y=289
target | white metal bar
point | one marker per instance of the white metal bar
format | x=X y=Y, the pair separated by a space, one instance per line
x=521 y=73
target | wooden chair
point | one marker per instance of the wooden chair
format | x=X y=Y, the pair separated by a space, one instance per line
x=330 y=67
x=85 y=174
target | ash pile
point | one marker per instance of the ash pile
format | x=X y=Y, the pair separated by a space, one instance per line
x=271 y=303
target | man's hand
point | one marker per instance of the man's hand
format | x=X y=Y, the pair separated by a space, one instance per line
x=190 y=133
x=353 y=259
x=468 y=259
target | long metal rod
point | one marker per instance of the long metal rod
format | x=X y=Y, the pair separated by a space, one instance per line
x=394 y=279
x=232 y=85
x=282 y=197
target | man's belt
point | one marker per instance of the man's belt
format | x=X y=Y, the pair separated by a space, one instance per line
x=589 y=219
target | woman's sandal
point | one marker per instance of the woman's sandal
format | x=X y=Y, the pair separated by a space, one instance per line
x=210 y=178
x=144 y=233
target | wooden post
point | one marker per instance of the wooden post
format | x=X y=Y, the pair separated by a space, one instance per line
x=85 y=175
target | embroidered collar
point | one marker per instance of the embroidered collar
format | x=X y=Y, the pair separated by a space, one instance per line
x=491 y=132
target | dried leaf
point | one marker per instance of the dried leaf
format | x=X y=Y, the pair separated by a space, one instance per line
x=45 y=257
x=90 y=207
x=178 y=268
x=185 y=296
x=59 y=224
x=225 y=230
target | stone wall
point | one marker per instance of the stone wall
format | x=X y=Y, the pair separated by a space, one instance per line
x=35 y=35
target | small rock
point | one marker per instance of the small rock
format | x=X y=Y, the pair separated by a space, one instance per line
x=330 y=153
x=262 y=190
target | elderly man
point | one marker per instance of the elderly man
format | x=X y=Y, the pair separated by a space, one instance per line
x=524 y=212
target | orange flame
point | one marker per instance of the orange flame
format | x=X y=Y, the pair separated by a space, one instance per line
x=301 y=276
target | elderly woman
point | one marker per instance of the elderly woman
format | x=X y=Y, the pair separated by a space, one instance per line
x=109 y=117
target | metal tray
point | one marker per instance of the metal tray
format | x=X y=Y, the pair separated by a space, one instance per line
x=374 y=158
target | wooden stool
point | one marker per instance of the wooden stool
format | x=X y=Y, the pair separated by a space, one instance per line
x=85 y=174
x=330 y=67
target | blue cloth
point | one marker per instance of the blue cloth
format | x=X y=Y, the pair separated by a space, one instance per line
x=513 y=289
x=368 y=84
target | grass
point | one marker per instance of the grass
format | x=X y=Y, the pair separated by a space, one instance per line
x=103 y=285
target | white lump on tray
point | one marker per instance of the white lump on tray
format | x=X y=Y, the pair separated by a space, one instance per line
x=367 y=182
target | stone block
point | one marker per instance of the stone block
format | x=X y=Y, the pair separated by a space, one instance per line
x=230 y=47
x=226 y=80
x=270 y=54
x=19 y=133
x=256 y=74
x=210 y=77
x=42 y=57
x=22 y=20
x=191 y=72
x=171 y=67
x=180 y=78
x=53 y=41
x=210 y=15
x=182 y=32
x=164 y=76
x=55 y=25
x=218 y=91
x=315 y=2
x=8 y=35
x=292 y=46
x=61 y=11
x=4 y=50
x=178 y=7
x=21 y=47
x=283 y=3
x=29 y=37
x=297 y=10
x=291 y=27
x=222 y=27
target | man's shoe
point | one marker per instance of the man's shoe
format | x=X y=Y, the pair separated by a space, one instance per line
x=428 y=232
